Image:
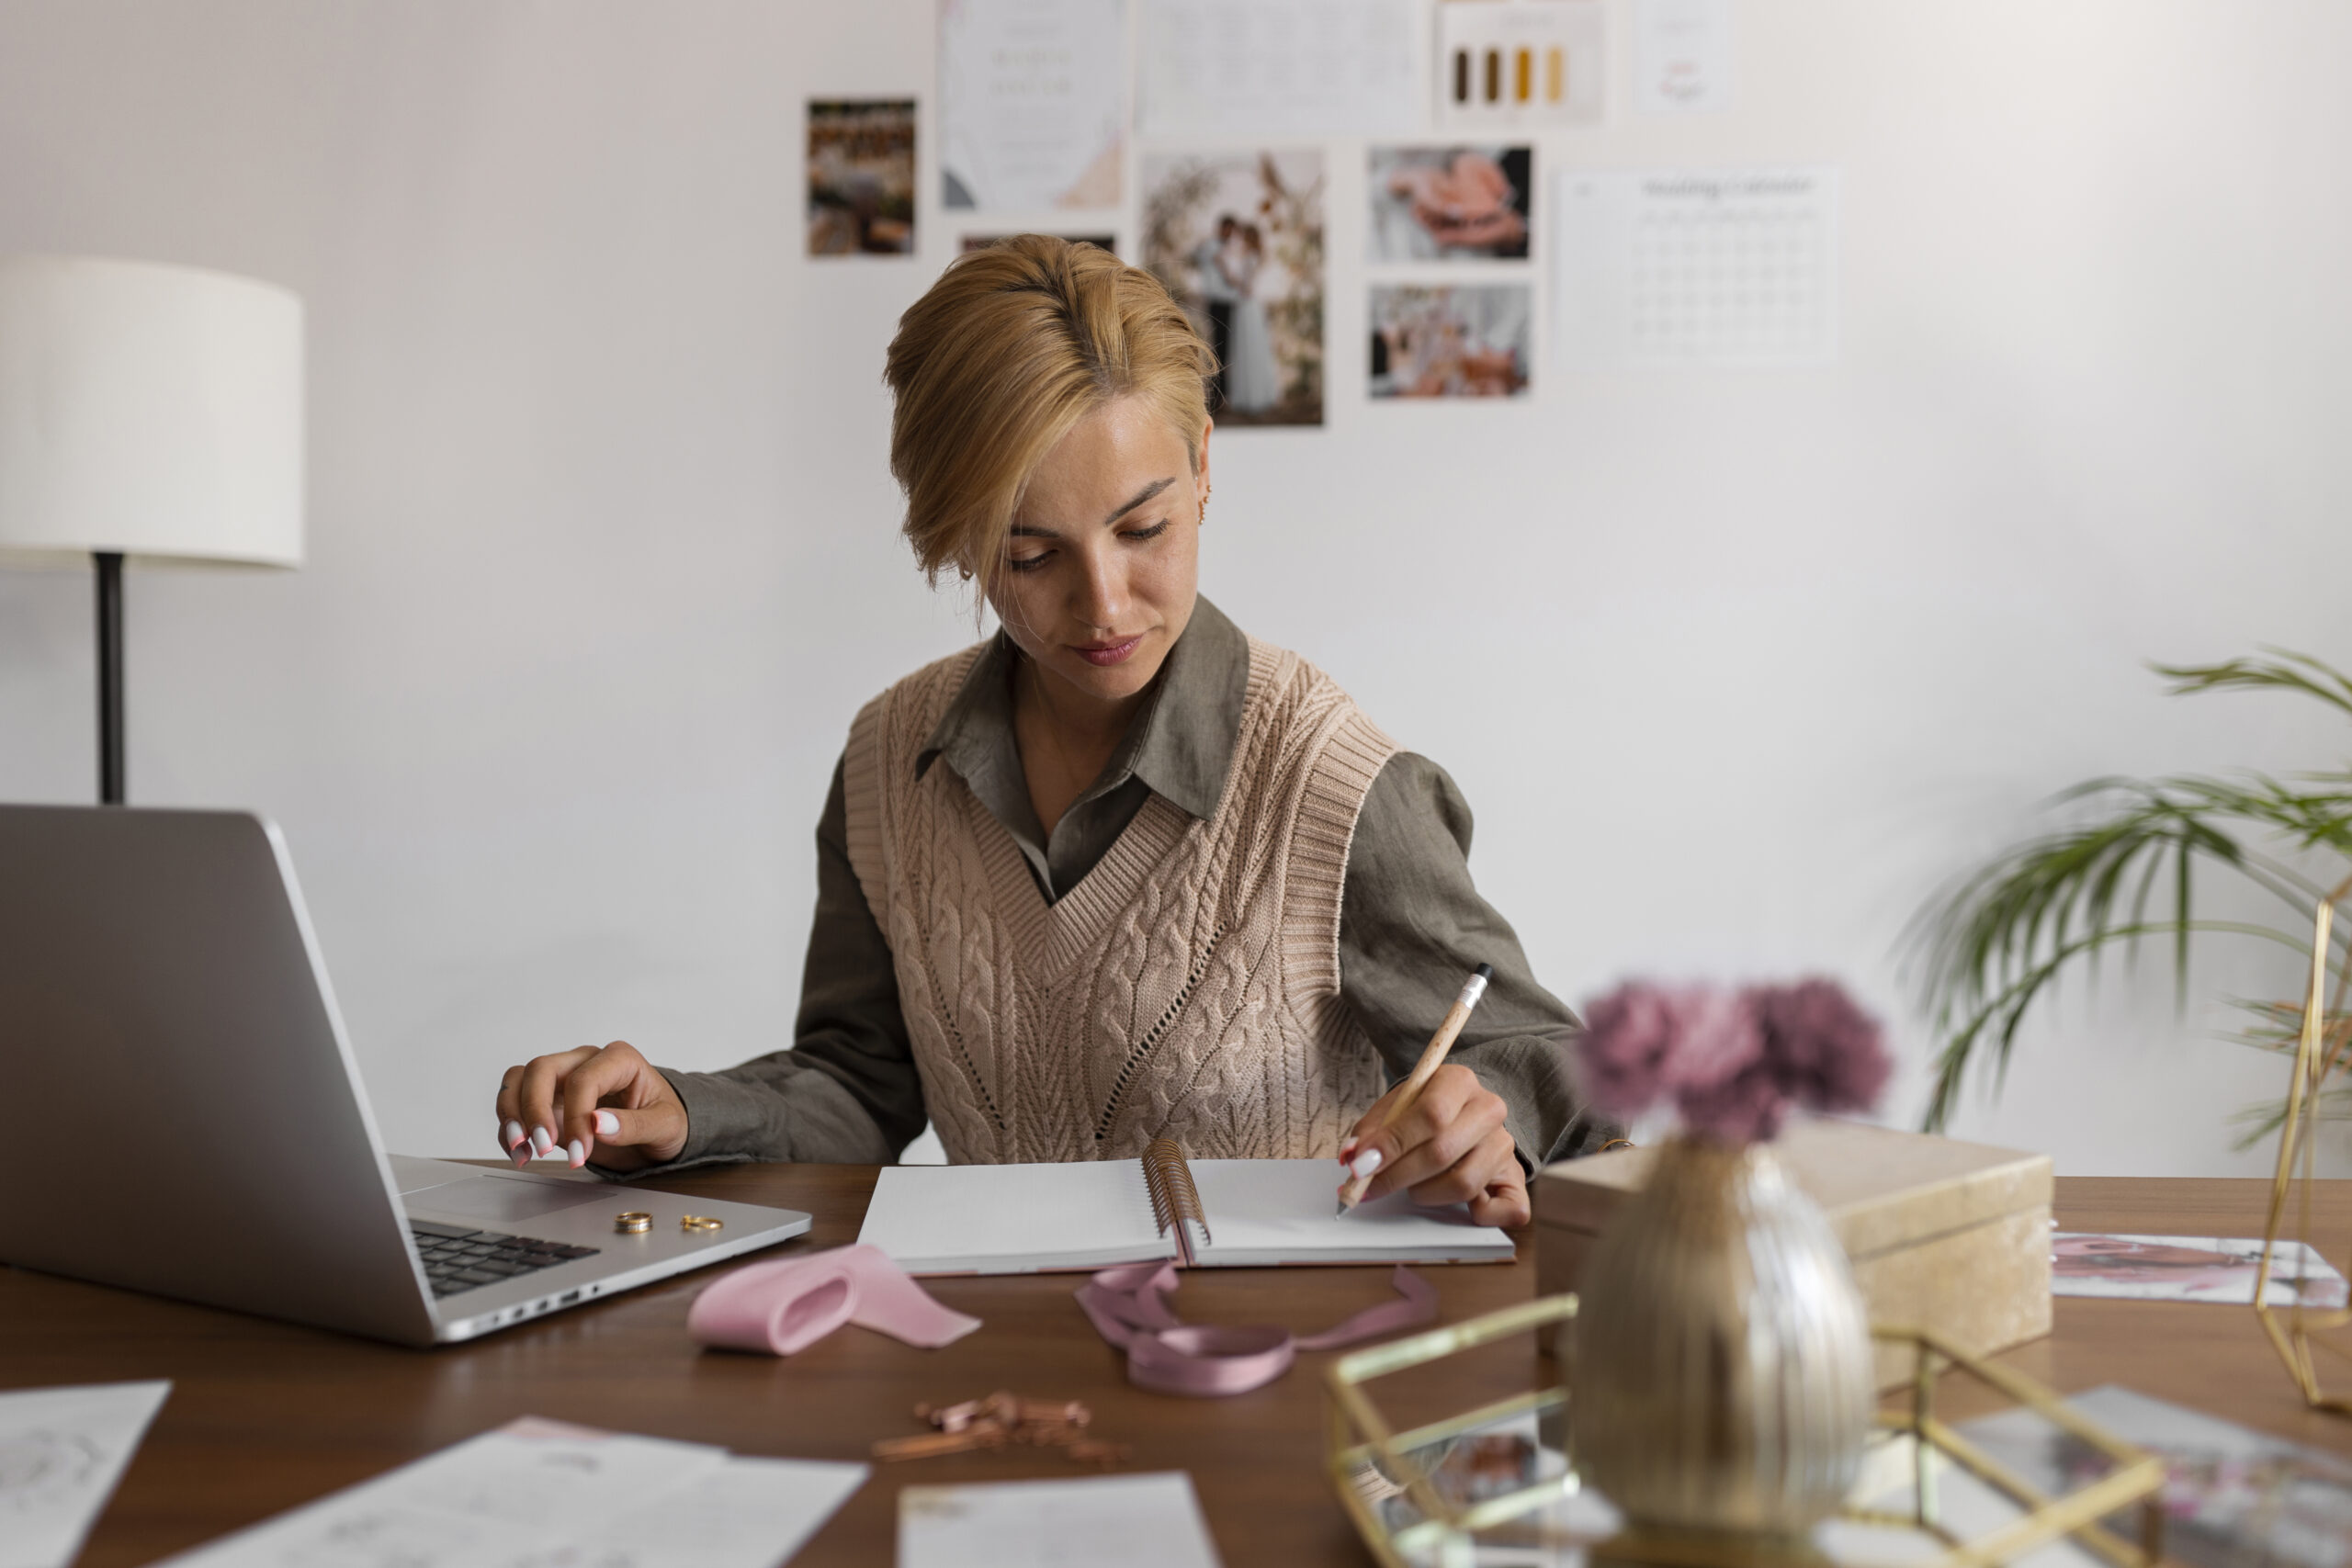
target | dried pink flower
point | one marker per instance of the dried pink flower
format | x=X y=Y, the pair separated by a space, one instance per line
x=1825 y=1054
x=1630 y=1038
x=1733 y=1061
x=1745 y=1107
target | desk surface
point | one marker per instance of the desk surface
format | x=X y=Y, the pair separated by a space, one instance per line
x=264 y=1415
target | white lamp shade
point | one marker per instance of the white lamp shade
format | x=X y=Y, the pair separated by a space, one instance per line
x=152 y=410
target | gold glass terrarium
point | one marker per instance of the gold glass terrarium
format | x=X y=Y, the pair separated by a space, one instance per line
x=1497 y=1487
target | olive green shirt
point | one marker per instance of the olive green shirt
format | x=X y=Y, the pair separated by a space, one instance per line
x=1412 y=928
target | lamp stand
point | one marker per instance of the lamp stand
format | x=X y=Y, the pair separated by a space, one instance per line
x=110 y=748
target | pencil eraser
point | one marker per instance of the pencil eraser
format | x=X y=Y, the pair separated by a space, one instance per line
x=1484 y=971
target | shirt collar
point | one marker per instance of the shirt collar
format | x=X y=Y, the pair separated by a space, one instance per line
x=1181 y=744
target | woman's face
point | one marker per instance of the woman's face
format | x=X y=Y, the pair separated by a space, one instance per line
x=1103 y=561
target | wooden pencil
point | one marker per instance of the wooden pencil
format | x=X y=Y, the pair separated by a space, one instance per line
x=1433 y=1058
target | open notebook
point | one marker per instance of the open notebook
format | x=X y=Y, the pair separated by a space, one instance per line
x=1027 y=1219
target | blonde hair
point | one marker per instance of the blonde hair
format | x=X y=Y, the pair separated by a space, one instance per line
x=1013 y=346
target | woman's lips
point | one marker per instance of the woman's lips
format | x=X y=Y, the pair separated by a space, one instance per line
x=1110 y=653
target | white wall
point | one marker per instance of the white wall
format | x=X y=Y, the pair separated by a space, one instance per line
x=1735 y=667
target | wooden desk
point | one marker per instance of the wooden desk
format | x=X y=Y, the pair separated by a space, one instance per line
x=264 y=1415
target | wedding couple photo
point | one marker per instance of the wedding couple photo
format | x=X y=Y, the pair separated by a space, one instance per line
x=1239 y=240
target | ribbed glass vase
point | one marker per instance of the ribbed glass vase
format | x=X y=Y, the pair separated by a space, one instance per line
x=1722 y=1370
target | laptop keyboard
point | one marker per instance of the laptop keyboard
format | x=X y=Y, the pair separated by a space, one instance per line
x=458 y=1260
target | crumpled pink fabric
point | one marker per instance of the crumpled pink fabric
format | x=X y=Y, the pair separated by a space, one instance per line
x=791 y=1304
x=1129 y=1307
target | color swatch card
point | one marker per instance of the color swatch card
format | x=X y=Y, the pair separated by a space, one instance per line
x=61 y=1451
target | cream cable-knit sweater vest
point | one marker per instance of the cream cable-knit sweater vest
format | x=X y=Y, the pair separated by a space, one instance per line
x=1187 y=987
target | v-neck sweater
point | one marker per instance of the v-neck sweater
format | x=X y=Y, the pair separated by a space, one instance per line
x=1187 y=987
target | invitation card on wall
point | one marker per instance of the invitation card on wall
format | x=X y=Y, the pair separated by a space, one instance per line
x=1033 y=104
x=1681 y=55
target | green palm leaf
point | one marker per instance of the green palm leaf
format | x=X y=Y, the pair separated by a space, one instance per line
x=1995 y=941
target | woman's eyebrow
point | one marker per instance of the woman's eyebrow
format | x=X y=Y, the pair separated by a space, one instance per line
x=1154 y=488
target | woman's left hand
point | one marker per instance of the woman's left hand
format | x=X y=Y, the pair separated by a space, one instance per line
x=1451 y=1147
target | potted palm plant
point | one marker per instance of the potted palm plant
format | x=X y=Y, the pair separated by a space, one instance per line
x=2122 y=870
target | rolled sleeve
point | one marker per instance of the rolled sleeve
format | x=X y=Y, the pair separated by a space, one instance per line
x=848 y=1091
x=1412 y=926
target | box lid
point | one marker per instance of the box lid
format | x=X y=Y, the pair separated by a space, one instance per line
x=1881 y=1188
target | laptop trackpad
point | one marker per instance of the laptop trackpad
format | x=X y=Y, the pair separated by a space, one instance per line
x=488 y=1198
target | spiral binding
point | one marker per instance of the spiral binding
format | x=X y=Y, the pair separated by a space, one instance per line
x=1174 y=1199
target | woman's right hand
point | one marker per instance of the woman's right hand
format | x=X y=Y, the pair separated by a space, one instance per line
x=611 y=1104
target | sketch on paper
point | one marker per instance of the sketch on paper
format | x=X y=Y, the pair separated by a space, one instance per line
x=61 y=1451
x=545 y=1495
x=1237 y=238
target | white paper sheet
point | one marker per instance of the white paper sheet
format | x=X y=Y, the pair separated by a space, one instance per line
x=61 y=1450
x=1136 y=1521
x=1243 y=68
x=1681 y=55
x=542 y=1495
x=1696 y=267
x=1033 y=104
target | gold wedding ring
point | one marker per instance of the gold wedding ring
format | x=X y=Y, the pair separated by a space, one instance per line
x=700 y=1223
x=630 y=1221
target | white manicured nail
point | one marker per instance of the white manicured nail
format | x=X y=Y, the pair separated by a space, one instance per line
x=607 y=1123
x=540 y=1143
x=1366 y=1164
x=522 y=1155
x=579 y=1153
x=511 y=1132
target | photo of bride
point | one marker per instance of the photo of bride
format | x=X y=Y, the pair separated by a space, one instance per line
x=1239 y=240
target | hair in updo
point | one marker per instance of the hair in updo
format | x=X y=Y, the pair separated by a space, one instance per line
x=1013 y=346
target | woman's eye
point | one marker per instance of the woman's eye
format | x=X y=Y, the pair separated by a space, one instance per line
x=1151 y=533
x=1029 y=563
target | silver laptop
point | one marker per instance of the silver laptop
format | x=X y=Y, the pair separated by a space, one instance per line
x=187 y=1118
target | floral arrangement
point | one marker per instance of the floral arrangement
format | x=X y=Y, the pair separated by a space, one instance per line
x=1733 y=1062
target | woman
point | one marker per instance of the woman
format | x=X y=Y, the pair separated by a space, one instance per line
x=1119 y=871
x=1252 y=382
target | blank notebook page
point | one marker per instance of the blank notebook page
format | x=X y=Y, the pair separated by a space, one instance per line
x=1285 y=1208
x=1021 y=1216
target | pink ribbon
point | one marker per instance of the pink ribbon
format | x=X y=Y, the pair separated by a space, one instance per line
x=1129 y=1308
x=790 y=1304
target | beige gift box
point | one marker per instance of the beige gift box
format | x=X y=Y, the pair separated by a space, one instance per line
x=1942 y=1234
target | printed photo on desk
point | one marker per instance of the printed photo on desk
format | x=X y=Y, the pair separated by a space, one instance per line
x=1450 y=341
x=2189 y=1269
x=2234 y=1498
x=1448 y=203
x=1237 y=238
x=861 y=177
